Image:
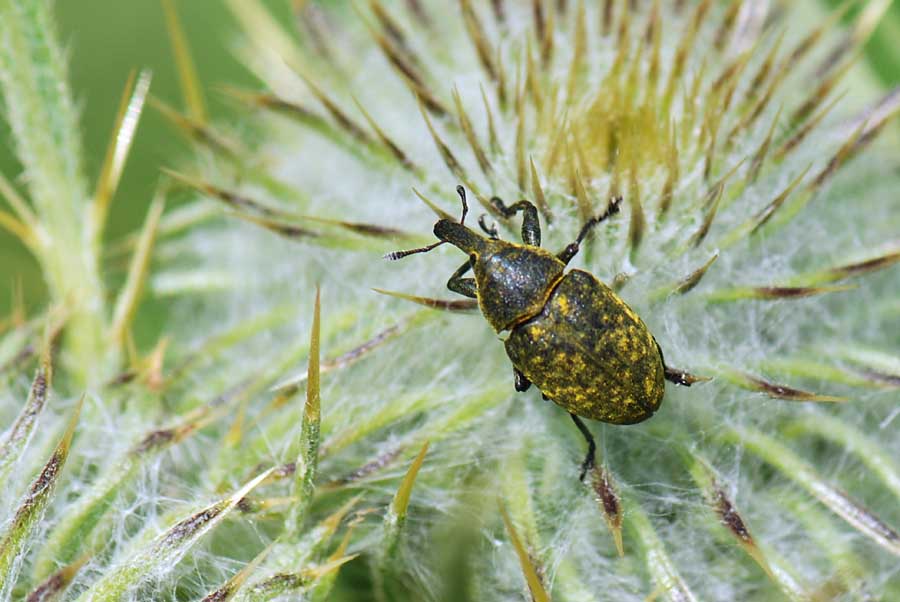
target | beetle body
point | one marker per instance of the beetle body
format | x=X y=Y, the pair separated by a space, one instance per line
x=569 y=334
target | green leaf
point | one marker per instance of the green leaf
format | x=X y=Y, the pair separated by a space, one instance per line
x=165 y=550
x=308 y=442
x=30 y=512
x=806 y=476
x=669 y=583
x=16 y=439
x=44 y=122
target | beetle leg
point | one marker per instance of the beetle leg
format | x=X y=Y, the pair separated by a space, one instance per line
x=522 y=383
x=680 y=377
x=572 y=249
x=531 y=225
x=589 y=459
x=463 y=286
x=490 y=231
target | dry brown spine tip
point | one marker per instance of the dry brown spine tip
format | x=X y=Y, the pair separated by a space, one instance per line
x=370 y=467
x=479 y=39
x=469 y=132
x=868 y=265
x=609 y=500
x=388 y=24
x=441 y=304
x=336 y=113
x=287 y=230
x=387 y=142
x=730 y=518
x=778 y=391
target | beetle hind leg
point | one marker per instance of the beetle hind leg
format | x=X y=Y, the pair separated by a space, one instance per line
x=590 y=457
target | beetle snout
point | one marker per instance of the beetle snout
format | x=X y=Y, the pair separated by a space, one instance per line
x=459 y=236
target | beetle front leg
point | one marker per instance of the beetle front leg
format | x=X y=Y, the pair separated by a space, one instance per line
x=572 y=249
x=589 y=459
x=531 y=225
x=463 y=286
x=490 y=231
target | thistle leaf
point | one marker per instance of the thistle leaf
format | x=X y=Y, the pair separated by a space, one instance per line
x=14 y=441
x=233 y=586
x=129 y=296
x=307 y=445
x=124 y=129
x=74 y=534
x=666 y=577
x=17 y=533
x=805 y=475
x=718 y=500
x=535 y=586
x=166 y=549
x=187 y=73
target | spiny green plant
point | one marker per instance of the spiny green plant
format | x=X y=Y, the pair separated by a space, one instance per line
x=272 y=446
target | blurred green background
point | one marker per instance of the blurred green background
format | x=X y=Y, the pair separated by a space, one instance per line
x=108 y=38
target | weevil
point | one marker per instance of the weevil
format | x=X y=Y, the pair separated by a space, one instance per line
x=569 y=334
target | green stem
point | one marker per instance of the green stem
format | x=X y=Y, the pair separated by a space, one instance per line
x=44 y=123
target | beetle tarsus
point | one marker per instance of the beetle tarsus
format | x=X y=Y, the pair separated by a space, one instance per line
x=589 y=459
x=685 y=379
x=522 y=384
x=490 y=231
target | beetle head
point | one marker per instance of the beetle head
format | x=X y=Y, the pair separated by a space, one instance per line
x=460 y=237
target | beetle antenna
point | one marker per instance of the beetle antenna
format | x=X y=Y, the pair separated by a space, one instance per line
x=465 y=206
x=395 y=255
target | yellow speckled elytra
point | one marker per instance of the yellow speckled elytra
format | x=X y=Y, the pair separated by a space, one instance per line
x=569 y=334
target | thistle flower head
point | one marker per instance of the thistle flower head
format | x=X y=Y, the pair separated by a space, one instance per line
x=752 y=238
